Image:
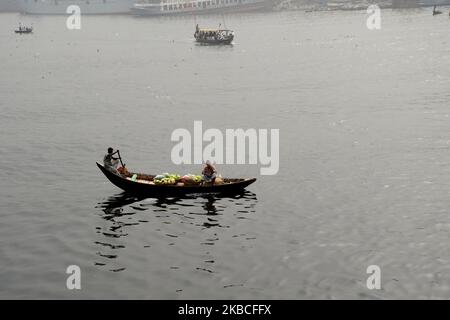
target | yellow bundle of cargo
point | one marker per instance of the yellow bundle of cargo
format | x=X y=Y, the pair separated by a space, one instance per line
x=219 y=180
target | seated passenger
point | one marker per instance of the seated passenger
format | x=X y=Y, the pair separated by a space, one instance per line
x=209 y=173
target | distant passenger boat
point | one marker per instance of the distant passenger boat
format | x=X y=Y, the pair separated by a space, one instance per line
x=170 y=7
x=213 y=36
x=86 y=6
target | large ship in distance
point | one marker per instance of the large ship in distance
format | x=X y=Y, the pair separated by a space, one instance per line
x=9 y=5
x=170 y=7
x=86 y=6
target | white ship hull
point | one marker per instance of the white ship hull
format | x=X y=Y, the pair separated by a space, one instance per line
x=86 y=6
x=171 y=7
x=430 y=3
x=9 y=5
x=418 y=3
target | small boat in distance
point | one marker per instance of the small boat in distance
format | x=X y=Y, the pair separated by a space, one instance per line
x=22 y=29
x=435 y=12
x=142 y=184
x=213 y=36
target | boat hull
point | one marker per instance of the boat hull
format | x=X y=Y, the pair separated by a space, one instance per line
x=171 y=190
x=9 y=6
x=215 y=42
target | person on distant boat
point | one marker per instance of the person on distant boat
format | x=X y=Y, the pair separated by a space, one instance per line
x=197 y=30
x=109 y=161
x=209 y=173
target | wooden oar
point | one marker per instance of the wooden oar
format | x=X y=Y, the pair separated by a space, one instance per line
x=120 y=158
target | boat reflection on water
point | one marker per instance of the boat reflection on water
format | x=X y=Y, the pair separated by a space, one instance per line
x=127 y=219
x=115 y=204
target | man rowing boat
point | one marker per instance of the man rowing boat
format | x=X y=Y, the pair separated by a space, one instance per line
x=109 y=161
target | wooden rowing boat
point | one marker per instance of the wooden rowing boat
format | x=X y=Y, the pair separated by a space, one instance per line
x=143 y=185
x=213 y=36
x=24 y=30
